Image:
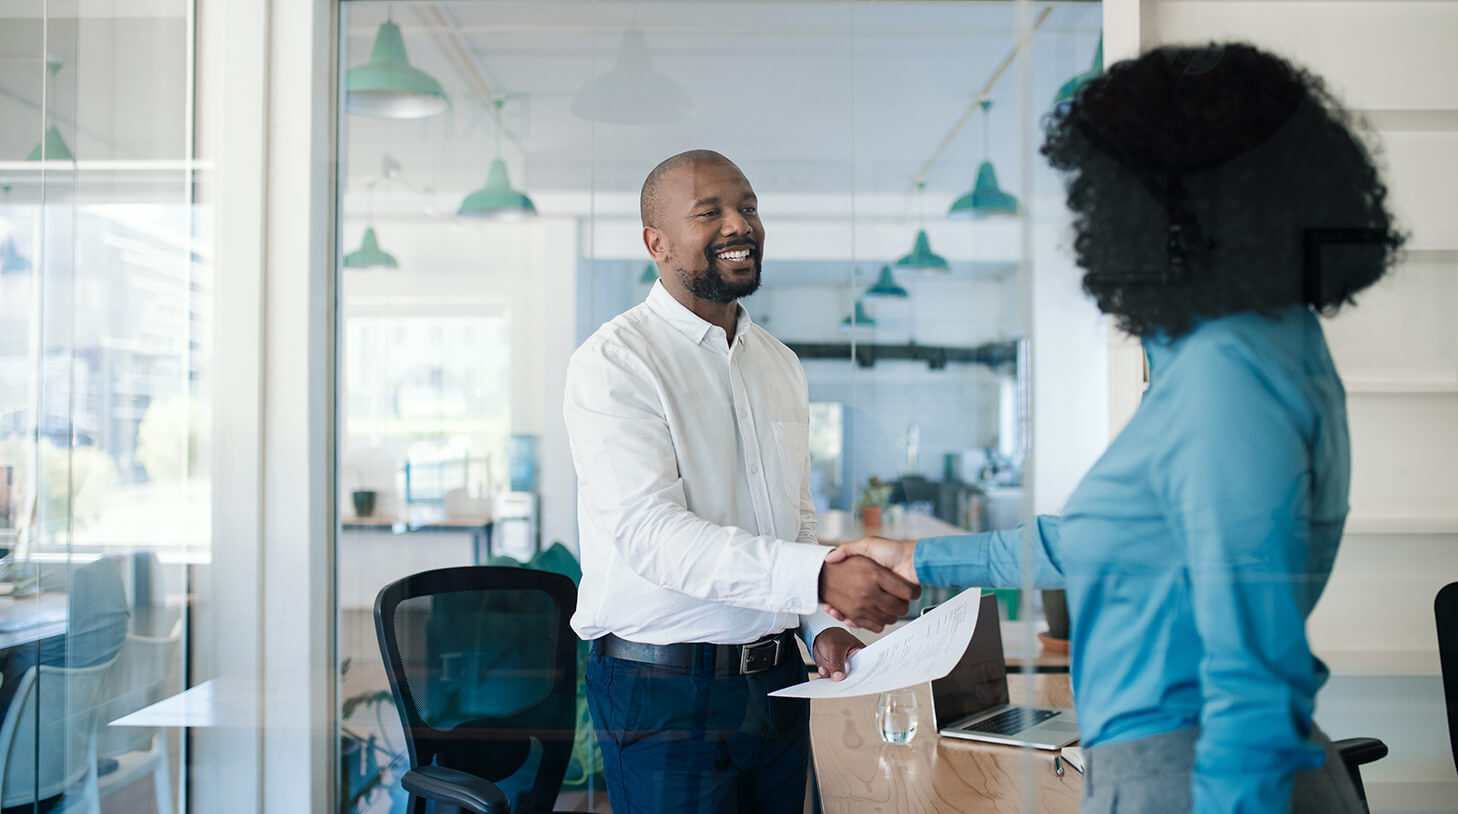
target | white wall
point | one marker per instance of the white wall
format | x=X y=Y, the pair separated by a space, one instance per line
x=1070 y=416
x=1393 y=62
x=265 y=607
x=526 y=269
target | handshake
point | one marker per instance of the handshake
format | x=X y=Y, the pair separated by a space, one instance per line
x=870 y=583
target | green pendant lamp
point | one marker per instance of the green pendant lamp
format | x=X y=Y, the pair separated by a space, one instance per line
x=1071 y=88
x=632 y=91
x=51 y=147
x=369 y=254
x=497 y=200
x=886 y=286
x=922 y=258
x=986 y=198
x=388 y=86
x=858 y=319
x=649 y=275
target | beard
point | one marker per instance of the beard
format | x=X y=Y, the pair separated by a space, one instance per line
x=711 y=285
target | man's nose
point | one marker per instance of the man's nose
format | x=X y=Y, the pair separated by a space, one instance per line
x=737 y=224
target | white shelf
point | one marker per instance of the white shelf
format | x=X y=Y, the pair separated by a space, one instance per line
x=1409 y=662
x=1404 y=524
x=1401 y=386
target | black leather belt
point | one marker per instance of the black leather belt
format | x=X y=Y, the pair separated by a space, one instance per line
x=728 y=659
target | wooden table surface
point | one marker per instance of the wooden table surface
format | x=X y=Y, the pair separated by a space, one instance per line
x=32 y=617
x=859 y=773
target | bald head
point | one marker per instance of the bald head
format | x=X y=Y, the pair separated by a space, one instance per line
x=650 y=202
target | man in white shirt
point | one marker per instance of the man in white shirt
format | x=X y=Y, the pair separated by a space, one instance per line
x=688 y=426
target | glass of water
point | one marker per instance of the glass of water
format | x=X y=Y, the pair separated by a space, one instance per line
x=896 y=715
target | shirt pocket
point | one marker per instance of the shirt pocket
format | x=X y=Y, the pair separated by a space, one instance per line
x=792 y=453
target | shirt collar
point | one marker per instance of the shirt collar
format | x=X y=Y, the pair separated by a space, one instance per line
x=687 y=322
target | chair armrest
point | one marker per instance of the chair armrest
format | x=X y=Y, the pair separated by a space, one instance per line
x=1357 y=751
x=456 y=788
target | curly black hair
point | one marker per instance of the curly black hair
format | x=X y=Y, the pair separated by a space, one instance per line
x=1218 y=179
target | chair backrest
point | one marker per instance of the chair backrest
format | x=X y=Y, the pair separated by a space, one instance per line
x=145 y=581
x=483 y=667
x=1445 y=609
x=138 y=679
x=37 y=762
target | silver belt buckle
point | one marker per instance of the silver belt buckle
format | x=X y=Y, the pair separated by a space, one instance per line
x=758 y=657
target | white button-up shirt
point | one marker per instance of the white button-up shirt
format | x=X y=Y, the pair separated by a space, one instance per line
x=693 y=480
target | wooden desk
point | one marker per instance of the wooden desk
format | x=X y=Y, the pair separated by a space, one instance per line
x=859 y=773
x=30 y=618
x=478 y=526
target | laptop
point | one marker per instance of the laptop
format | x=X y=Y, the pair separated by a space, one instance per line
x=972 y=701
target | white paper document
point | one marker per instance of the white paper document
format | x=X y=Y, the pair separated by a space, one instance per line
x=926 y=648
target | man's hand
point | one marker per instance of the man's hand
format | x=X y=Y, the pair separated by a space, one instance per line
x=833 y=648
x=897 y=555
x=863 y=593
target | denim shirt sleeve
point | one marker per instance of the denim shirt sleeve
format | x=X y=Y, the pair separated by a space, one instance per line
x=992 y=559
x=1233 y=470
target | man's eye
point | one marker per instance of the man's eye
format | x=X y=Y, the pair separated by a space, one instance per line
x=709 y=214
x=749 y=210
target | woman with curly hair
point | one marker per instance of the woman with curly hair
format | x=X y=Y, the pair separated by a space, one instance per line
x=1222 y=199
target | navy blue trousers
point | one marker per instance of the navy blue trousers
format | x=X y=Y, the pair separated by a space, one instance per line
x=683 y=740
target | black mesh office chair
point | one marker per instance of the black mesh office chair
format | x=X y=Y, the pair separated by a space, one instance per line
x=483 y=667
x=1445 y=610
x=1356 y=752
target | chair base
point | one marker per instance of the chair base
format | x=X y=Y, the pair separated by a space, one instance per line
x=132 y=766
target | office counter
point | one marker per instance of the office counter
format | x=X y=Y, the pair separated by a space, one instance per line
x=836 y=526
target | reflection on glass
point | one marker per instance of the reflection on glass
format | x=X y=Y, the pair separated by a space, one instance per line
x=461 y=348
x=106 y=353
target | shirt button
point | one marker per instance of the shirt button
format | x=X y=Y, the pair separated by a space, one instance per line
x=754 y=469
x=744 y=412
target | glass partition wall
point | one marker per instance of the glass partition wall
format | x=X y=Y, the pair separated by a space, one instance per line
x=105 y=365
x=490 y=161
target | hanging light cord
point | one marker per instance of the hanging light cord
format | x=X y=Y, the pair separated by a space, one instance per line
x=496 y=104
x=982 y=96
x=986 y=130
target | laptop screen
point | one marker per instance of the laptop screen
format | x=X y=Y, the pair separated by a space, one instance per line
x=979 y=681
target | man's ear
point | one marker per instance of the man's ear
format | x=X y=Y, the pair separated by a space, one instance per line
x=654 y=243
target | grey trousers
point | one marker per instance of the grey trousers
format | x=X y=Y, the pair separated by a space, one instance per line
x=1152 y=776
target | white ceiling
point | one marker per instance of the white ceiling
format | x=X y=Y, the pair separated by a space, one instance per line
x=826 y=105
x=814 y=99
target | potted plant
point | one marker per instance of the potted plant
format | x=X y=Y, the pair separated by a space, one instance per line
x=1055 y=611
x=874 y=496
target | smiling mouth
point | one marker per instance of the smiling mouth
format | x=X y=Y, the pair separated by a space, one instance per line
x=735 y=255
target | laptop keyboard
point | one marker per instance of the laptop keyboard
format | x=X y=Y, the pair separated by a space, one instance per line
x=1012 y=721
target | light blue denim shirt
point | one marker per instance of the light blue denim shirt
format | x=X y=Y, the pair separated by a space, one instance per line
x=1194 y=550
